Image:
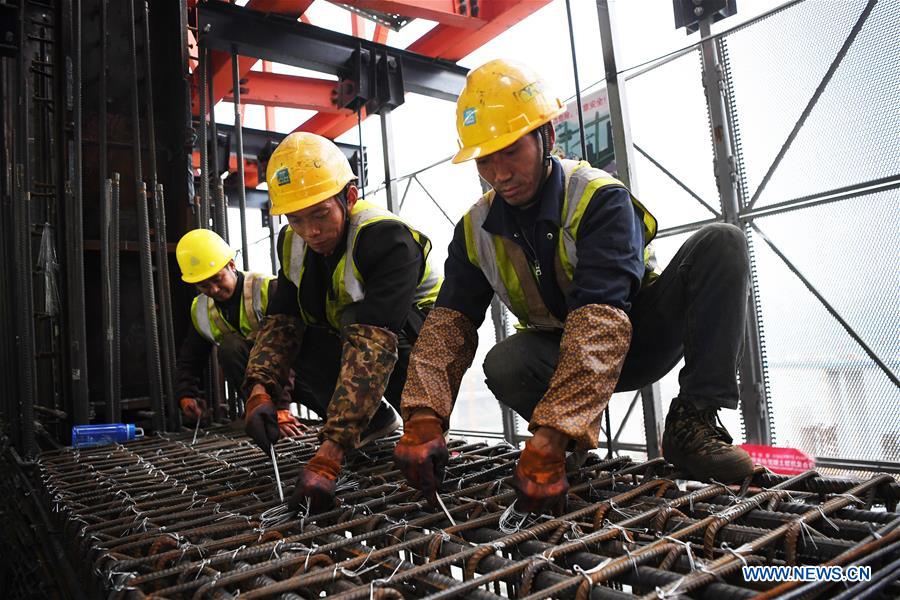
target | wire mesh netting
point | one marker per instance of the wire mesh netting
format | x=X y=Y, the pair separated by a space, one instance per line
x=848 y=134
x=829 y=397
x=670 y=132
x=814 y=89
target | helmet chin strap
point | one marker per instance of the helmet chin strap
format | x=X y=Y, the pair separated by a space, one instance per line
x=543 y=133
x=342 y=200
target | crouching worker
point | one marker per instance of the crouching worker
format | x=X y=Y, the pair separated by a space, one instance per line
x=562 y=244
x=354 y=288
x=227 y=314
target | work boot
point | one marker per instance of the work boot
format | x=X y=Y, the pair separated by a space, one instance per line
x=696 y=442
x=384 y=422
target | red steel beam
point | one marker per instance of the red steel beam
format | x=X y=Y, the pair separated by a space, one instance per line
x=220 y=63
x=270 y=111
x=454 y=43
x=444 y=41
x=357 y=28
x=442 y=11
x=289 y=91
x=331 y=125
x=381 y=34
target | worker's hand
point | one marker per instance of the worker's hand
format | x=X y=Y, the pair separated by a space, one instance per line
x=540 y=477
x=289 y=425
x=315 y=484
x=192 y=409
x=421 y=454
x=260 y=419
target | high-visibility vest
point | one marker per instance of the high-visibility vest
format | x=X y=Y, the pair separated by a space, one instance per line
x=346 y=282
x=508 y=270
x=211 y=323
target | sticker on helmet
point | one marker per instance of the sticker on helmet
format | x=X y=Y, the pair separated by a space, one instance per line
x=283 y=176
x=528 y=92
x=469 y=116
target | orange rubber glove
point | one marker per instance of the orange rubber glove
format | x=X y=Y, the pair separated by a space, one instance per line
x=289 y=425
x=192 y=409
x=261 y=421
x=540 y=479
x=315 y=484
x=421 y=454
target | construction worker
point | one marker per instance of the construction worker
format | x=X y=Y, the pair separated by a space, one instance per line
x=564 y=247
x=226 y=313
x=354 y=288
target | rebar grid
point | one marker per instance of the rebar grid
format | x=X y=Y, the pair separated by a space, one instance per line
x=174 y=519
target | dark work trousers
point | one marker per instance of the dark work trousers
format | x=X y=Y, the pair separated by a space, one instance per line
x=695 y=309
x=234 y=352
x=318 y=365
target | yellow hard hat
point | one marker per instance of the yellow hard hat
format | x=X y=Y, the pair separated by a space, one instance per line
x=305 y=169
x=503 y=100
x=201 y=253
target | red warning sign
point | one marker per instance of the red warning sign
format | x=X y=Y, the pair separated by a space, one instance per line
x=784 y=461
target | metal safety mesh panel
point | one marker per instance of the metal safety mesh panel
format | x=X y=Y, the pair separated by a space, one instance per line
x=670 y=131
x=829 y=397
x=813 y=103
x=848 y=134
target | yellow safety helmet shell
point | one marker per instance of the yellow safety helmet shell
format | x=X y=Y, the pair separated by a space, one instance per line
x=305 y=169
x=201 y=253
x=502 y=101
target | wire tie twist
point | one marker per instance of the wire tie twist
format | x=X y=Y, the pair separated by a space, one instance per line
x=380 y=582
x=444 y=508
x=703 y=568
x=734 y=497
x=615 y=507
x=687 y=550
x=851 y=497
x=807 y=531
x=622 y=531
x=203 y=563
x=586 y=573
x=630 y=557
x=511 y=511
x=734 y=553
x=826 y=519
x=672 y=592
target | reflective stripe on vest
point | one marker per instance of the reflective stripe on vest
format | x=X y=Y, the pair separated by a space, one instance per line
x=504 y=263
x=211 y=323
x=347 y=283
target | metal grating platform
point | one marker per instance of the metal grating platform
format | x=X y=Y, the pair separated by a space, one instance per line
x=174 y=519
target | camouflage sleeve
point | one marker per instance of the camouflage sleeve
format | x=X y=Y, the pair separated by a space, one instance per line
x=594 y=343
x=442 y=354
x=367 y=362
x=274 y=350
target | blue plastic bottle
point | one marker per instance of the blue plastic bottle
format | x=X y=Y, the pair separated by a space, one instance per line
x=84 y=436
